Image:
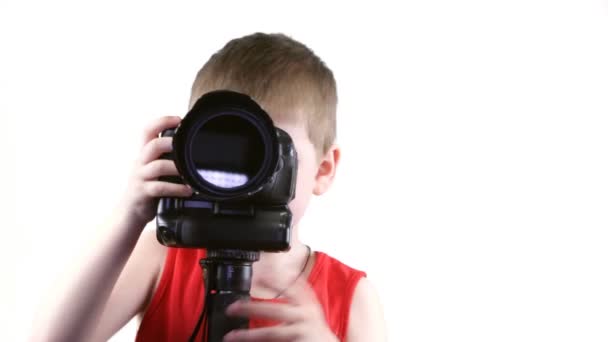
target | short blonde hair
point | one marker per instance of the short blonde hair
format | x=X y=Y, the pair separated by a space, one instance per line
x=283 y=75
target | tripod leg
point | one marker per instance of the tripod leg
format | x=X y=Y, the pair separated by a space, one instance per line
x=226 y=281
x=219 y=324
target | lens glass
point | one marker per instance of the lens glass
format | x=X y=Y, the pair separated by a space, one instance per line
x=228 y=151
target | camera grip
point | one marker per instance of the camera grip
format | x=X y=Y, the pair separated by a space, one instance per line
x=268 y=229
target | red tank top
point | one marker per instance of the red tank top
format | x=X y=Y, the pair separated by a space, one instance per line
x=177 y=303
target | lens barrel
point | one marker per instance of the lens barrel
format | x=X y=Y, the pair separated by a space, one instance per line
x=226 y=146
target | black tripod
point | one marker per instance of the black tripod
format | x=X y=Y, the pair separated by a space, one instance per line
x=227 y=277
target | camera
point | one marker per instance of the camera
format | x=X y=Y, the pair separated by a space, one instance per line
x=242 y=170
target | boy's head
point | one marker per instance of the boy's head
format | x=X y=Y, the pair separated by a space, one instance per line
x=296 y=88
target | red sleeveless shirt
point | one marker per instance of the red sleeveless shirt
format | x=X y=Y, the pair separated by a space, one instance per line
x=177 y=303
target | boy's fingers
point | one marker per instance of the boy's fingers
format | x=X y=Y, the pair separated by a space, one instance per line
x=157 y=168
x=266 y=334
x=271 y=311
x=154 y=128
x=155 y=148
x=165 y=189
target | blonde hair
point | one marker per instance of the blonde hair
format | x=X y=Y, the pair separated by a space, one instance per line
x=283 y=75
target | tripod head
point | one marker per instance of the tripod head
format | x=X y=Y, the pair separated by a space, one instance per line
x=227 y=275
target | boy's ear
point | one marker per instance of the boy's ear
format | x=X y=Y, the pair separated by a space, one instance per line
x=327 y=170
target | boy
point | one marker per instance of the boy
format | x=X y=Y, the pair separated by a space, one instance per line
x=303 y=295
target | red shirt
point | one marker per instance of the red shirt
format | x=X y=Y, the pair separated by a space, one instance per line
x=177 y=303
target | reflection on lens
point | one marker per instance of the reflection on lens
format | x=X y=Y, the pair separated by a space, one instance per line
x=223 y=179
x=228 y=151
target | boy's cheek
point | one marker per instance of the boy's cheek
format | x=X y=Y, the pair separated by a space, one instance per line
x=298 y=207
x=300 y=202
x=304 y=185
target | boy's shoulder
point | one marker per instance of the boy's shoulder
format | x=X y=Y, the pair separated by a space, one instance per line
x=151 y=247
x=355 y=293
x=332 y=269
x=154 y=255
x=350 y=297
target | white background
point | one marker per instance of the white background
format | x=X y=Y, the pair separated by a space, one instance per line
x=473 y=187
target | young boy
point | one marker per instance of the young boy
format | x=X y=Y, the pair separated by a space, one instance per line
x=303 y=295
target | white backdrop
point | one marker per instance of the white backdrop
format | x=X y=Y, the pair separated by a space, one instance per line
x=473 y=187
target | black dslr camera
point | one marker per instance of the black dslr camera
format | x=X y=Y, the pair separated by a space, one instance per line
x=243 y=173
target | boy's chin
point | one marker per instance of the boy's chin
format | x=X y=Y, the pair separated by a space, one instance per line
x=297 y=212
x=296 y=217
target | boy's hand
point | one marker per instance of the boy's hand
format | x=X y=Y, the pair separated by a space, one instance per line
x=144 y=187
x=301 y=318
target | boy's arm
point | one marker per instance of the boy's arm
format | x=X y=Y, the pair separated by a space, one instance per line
x=94 y=302
x=135 y=286
x=366 y=321
x=76 y=310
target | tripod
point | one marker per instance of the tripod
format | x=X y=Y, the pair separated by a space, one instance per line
x=227 y=277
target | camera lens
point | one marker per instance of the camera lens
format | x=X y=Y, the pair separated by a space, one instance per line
x=228 y=151
x=226 y=147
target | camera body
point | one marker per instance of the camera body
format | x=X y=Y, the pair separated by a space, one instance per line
x=243 y=172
